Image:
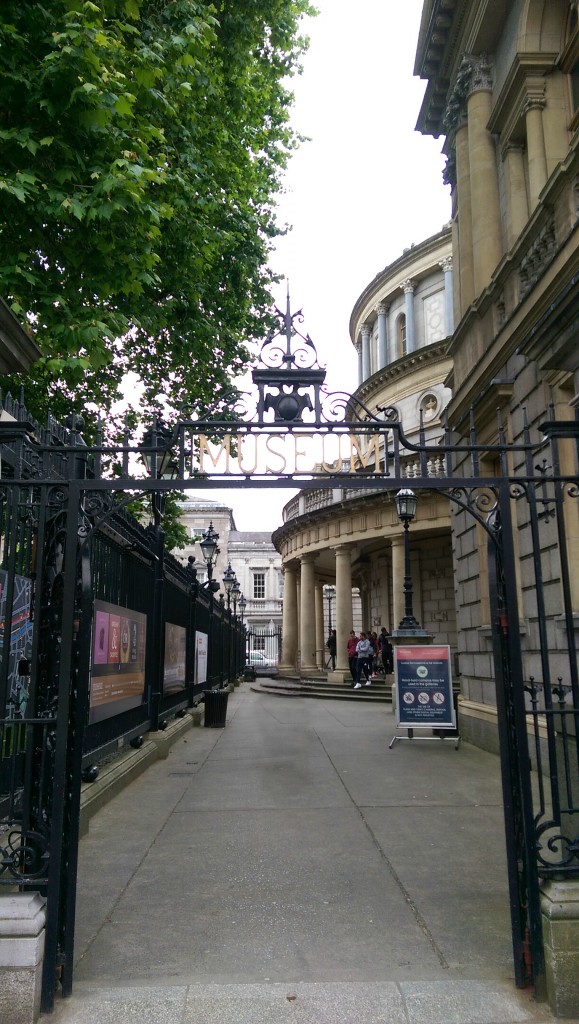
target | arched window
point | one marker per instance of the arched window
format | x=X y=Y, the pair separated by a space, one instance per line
x=401 y=335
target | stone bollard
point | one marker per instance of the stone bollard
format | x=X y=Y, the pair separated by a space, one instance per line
x=22 y=921
x=560 y=914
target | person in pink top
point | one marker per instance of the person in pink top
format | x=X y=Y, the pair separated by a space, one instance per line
x=352 y=644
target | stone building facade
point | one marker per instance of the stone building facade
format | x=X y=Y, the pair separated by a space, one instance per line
x=253 y=558
x=503 y=90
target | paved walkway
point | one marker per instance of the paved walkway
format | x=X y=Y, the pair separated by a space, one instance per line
x=292 y=868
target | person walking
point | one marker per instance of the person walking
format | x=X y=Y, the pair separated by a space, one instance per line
x=351 y=646
x=331 y=644
x=364 y=652
x=386 y=651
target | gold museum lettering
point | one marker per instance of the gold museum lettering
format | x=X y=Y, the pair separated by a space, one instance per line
x=295 y=453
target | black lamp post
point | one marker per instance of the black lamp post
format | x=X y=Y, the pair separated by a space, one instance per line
x=159 y=461
x=229 y=581
x=235 y=596
x=209 y=550
x=242 y=607
x=406 y=504
x=330 y=593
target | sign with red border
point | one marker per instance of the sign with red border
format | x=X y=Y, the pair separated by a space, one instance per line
x=423 y=682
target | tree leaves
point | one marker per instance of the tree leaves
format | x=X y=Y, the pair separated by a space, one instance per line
x=143 y=144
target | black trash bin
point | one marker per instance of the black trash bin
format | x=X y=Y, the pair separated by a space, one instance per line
x=215 y=708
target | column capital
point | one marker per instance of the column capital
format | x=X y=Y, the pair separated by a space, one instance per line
x=366 y=330
x=308 y=557
x=446 y=264
x=534 y=102
x=341 y=549
x=475 y=73
x=381 y=308
x=408 y=285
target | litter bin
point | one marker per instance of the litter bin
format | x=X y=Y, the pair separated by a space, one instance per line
x=215 y=708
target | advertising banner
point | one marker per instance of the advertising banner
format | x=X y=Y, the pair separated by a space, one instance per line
x=423 y=683
x=118 y=660
x=20 y=634
x=201 y=647
x=175 y=653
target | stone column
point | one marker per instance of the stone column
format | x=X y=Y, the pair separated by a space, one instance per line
x=289 y=640
x=320 y=638
x=307 y=615
x=408 y=287
x=397 y=544
x=366 y=330
x=536 y=155
x=446 y=267
x=516 y=191
x=360 y=371
x=465 y=267
x=343 y=607
x=486 y=214
x=382 y=314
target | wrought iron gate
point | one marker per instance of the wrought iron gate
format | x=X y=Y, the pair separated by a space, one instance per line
x=263 y=648
x=51 y=490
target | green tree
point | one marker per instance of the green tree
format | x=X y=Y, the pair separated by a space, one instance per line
x=142 y=147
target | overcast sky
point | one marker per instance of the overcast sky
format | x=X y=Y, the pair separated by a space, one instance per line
x=365 y=187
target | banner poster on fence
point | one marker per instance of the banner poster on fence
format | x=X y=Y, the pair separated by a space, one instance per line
x=174 y=662
x=423 y=683
x=118 y=660
x=20 y=651
x=201 y=647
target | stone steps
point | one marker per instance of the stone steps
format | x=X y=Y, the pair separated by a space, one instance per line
x=379 y=692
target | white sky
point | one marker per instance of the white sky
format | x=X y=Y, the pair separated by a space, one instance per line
x=363 y=189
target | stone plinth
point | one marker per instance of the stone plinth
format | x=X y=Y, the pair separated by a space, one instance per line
x=22 y=921
x=560 y=914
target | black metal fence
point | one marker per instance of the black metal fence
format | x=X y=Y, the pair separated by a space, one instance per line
x=104 y=636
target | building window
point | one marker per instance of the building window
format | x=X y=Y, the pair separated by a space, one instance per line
x=279 y=584
x=259 y=585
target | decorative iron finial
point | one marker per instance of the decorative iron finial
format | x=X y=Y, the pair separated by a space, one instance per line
x=288 y=376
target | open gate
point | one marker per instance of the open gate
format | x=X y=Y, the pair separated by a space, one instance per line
x=55 y=499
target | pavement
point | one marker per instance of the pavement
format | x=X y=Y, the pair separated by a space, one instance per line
x=291 y=867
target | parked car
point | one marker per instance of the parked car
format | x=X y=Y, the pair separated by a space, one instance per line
x=261 y=665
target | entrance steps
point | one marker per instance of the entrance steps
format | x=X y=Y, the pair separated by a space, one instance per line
x=380 y=691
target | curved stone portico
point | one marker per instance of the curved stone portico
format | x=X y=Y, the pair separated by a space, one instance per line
x=351 y=537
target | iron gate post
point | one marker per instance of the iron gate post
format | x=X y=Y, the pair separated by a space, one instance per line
x=514 y=750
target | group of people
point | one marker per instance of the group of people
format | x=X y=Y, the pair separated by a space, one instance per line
x=367 y=653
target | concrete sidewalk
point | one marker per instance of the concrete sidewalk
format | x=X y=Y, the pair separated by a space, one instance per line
x=291 y=867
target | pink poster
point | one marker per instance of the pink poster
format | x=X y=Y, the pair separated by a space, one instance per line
x=101 y=638
x=114 y=639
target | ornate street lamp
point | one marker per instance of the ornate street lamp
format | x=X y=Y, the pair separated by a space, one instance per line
x=242 y=606
x=330 y=593
x=209 y=550
x=160 y=462
x=229 y=579
x=406 y=504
